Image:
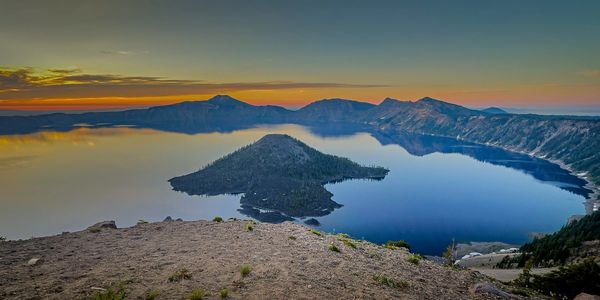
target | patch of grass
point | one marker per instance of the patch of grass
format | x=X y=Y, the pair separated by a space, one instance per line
x=313 y=231
x=182 y=274
x=152 y=295
x=349 y=243
x=383 y=279
x=344 y=236
x=218 y=219
x=111 y=294
x=395 y=245
x=334 y=248
x=249 y=227
x=142 y=221
x=414 y=258
x=245 y=270
x=197 y=294
x=224 y=293
x=94 y=230
x=291 y=237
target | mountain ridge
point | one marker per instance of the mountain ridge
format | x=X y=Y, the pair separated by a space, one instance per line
x=570 y=140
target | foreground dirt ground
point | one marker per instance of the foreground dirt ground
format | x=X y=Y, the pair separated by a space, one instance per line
x=287 y=261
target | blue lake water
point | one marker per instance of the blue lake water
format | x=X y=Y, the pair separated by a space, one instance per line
x=437 y=188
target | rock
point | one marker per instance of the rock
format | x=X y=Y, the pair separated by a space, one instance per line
x=584 y=296
x=104 y=224
x=488 y=288
x=312 y=222
x=168 y=219
x=179 y=219
x=35 y=261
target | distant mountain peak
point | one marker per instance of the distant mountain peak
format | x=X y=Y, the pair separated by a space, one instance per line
x=494 y=110
x=225 y=100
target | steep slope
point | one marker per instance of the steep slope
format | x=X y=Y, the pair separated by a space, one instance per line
x=277 y=172
x=574 y=141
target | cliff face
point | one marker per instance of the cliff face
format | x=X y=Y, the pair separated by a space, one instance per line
x=574 y=141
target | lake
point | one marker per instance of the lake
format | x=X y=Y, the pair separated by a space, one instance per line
x=437 y=188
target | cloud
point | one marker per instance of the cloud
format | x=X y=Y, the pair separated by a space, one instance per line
x=123 y=52
x=590 y=73
x=26 y=84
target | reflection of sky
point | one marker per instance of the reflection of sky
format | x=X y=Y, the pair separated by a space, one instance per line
x=67 y=181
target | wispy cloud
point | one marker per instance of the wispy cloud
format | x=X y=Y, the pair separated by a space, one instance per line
x=26 y=84
x=590 y=73
x=123 y=52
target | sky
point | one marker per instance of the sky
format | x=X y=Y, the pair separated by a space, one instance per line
x=80 y=55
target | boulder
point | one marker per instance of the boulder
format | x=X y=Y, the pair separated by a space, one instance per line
x=105 y=224
x=312 y=222
x=488 y=288
x=584 y=296
x=35 y=261
x=168 y=219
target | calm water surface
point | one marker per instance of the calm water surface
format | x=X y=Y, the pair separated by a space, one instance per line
x=436 y=190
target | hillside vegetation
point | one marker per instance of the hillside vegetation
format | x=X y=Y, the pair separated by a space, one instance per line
x=279 y=173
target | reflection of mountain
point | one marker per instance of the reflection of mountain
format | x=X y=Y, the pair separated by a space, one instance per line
x=420 y=145
x=277 y=173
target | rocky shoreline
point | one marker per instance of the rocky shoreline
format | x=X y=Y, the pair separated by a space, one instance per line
x=233 y=259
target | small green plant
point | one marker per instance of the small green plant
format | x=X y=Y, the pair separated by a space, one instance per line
x=152 y=295
x=291 y=237
x=181 y=274
x=334 y=248
x=313 y=231
x=245 y=270
x=382 y=279
x=344 y=236
x=197 y=294
x=249 y=227
x=395 y=245
x=111 y=294
x=224 y=293
x=218 y=219
x=142 y=221
x=414 y=258
x=349 y=243
x=94 y=230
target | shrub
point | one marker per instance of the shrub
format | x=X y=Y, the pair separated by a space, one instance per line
x=2 y=238
x=142 y=221
x=395 y=245
x=315 y=232
x=344 y=236
x=249 y=227
x=152 y=295
x=94 y=230
x=224 y=293
x=349 y=243
x=291 y=237
x=414 y=258
x=181 y=274
x=567 y=281
x=382 y=279
x=334 y=248
x=218 y=219
x=197 y=294
x=245 y=270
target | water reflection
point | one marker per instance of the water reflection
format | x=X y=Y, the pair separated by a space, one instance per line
x=56 y=181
